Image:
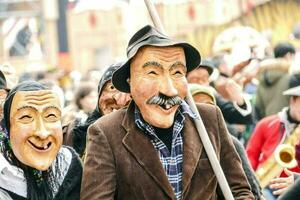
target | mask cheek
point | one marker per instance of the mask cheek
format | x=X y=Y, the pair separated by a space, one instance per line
x=182 y=90
x=106 y=106
x=57 y=135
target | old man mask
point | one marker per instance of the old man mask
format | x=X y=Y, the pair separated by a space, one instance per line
x=32 y=116
x=110 y=98
x=158 y=83
x=154 y=74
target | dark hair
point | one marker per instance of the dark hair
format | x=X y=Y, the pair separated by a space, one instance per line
x=281 y=49
x=84 y=89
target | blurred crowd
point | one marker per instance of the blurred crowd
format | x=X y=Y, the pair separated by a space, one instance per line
x=256 y=86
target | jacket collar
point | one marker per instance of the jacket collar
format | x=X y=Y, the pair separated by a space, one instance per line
x=140 y=146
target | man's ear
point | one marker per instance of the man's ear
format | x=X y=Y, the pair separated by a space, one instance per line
x=128 y=80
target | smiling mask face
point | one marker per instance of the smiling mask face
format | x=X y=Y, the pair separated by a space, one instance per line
x=158 y=83
x=35 y=128
x=112 y=99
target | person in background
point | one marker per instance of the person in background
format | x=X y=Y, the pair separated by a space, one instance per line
x=152 y=150
x=236 y=109
x=8 y=79
x=3 y=93
x=273 y=80
x=84 y=101
x=86 y=98
x=293 y=193
x=205 y=94
x=10 y=75
x=272 y=131
x=202 y=93
x=34 y=164
x=109 y=100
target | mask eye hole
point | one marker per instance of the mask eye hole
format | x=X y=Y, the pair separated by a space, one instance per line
x=25 y=118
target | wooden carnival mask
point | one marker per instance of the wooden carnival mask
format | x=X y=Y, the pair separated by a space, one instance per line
x=112 y=99
x=158 y=84
x=35 y=127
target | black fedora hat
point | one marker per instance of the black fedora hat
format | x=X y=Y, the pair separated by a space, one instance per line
x=150 y=36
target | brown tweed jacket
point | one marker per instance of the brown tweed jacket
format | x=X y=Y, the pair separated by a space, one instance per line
x=121 y=162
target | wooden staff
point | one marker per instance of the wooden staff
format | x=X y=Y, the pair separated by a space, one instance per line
x=198 y=121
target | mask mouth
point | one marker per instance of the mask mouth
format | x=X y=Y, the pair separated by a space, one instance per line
x=43 y=147
x=109 y=109
x=165 y=102
x=113 y=107
x=166 y=106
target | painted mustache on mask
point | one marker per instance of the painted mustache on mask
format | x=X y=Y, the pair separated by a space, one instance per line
x=165 y=101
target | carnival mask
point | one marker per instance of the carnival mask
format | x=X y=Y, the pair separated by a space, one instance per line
x=112 y=99
x=158 y=84
x=35 y=128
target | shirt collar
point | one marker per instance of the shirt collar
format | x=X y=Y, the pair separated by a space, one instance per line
x=179 y=116
x=283 y=117
x=187 y=110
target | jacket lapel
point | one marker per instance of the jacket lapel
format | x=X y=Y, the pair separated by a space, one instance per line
x=140 y=146
x=192 y=149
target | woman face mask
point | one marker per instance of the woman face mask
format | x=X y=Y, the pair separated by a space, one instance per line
x=35 y=128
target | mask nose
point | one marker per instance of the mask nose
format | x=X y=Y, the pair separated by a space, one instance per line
x=41 y=130
x=167 y=88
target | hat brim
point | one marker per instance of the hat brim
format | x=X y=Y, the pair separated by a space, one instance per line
x=295 y=91
x=120 y=77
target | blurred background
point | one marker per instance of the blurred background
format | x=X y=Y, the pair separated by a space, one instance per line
x=87 y=35
x=251 y=50
x=72 y=41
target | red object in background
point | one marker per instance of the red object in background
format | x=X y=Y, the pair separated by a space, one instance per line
x=191 y=12
x=71 y=5
x=250 y=6
x=92 y=19
x=297 y=150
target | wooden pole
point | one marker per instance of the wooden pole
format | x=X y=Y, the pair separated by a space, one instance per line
x=198 y=121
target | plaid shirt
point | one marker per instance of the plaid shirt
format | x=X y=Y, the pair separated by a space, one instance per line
x=171 y=161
